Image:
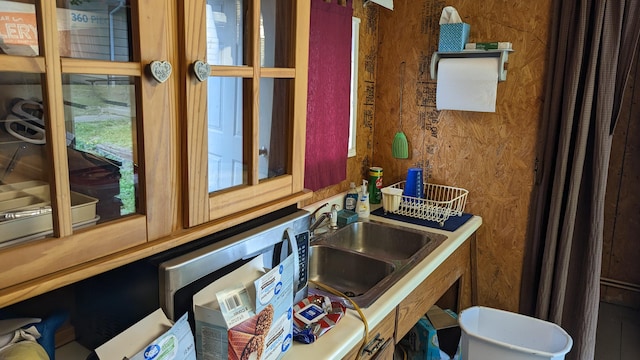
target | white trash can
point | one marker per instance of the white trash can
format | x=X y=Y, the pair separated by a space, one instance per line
x=496 y=334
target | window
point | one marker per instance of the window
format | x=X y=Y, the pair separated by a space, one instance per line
x=353 y=113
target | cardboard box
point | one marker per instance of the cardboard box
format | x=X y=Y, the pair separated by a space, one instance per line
x=153 y=337
x=247 y=313
x=453 y=37
x=81 y=34
x=434 y=337
x=421 y=342
x=18 y=29
x=445 y=322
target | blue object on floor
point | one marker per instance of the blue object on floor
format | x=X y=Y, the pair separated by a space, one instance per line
x=47 y=328
x=452 y=223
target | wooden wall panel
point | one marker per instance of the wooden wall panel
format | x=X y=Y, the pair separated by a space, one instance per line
x=490 y=154
x=622 y=203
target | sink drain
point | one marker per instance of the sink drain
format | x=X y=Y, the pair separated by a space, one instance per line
x=350 y=293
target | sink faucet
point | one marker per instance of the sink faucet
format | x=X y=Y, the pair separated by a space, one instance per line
x=314 y=222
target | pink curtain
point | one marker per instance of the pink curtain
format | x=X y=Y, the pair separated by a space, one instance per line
x=328 y=94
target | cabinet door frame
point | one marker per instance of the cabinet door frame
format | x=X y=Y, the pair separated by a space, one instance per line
x=201 y=206
x=158 y=195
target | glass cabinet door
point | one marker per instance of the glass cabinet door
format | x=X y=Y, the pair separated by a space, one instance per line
x=84 y=111
x=88 y=156
x=101 y=126
x=100 y=114
x=244 y=115
x=24 y=190
x=77 y=103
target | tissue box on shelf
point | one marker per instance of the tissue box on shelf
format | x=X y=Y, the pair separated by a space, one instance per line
x=453 y=37
x=150 y=337
x=229 y=324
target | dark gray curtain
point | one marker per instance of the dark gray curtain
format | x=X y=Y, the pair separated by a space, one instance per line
x=591 y=52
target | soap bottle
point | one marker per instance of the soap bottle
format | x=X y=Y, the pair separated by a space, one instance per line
x=351 y=199
x=363 y=207
x=334 y=216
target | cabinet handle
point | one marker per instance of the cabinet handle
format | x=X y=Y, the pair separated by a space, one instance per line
x=263 y=151
x=373 y=345
x=160 y=70
x=379 y=354
x=201 y=70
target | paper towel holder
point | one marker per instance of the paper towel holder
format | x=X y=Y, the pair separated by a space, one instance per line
x=503 y=55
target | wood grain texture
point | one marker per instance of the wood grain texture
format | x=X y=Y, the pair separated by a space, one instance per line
x=385 y=329
x=299 y=124
x=82 y=66
x=490 y=154
x=58 y=166
x=228 y=202
x=9 y=63
x=425 y=295
x=157 y=24
x=200 y=205
x=47 y=256
x=622 y=201
x=48 y=277
x=194 y=125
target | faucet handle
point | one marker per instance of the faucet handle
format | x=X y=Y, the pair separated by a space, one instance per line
x=313 y=214
x=334 y=216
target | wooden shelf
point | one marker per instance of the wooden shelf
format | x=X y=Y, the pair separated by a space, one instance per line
x=503 y=55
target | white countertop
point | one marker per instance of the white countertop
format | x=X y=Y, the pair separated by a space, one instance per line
x=349 y=332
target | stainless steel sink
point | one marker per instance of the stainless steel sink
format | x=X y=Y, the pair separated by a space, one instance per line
x=383 y=240
x=347 y=271
x=364 y=259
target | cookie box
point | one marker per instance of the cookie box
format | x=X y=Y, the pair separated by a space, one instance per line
x=246 y=314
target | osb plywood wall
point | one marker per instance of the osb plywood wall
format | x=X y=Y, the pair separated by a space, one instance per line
x=489 y=154
x=621 y=249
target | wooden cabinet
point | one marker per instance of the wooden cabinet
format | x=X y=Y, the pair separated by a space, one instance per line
x=381 y=341
x=245 y=114
x=103 y=128
x=131 y=68
x=455 y=271
x=452 y=280
x=385 y=352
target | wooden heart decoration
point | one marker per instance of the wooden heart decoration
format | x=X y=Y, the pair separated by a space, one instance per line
x=160 y=70
x=202 y=70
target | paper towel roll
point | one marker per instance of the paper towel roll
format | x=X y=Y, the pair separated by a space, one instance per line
x=468 y=84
